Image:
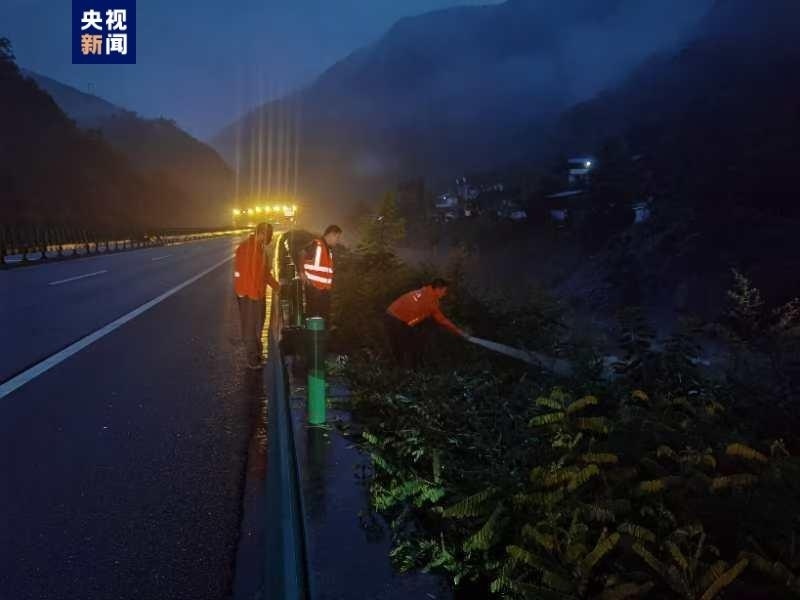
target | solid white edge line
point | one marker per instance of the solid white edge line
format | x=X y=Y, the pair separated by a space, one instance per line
x=32 y=373
x=161 y=257
x=68 y=279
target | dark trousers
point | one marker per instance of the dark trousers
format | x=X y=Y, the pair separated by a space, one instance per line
x=407 y=344
x=252 y=314
x=318 y=304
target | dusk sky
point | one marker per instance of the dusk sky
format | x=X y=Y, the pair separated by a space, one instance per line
x=203 y=62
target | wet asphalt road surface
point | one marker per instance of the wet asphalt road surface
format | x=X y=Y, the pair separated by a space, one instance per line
x=121 y=468
x=48 y=306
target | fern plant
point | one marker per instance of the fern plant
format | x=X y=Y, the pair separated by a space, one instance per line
x=688 y=565
x=652 y=484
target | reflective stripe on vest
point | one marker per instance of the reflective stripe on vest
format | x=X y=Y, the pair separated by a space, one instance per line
x=317 y=278
x=318 y=272
x=416 y=297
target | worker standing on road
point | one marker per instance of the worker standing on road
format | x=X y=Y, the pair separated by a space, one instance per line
x=318 y=272
x=250 y=279
x=403 y=319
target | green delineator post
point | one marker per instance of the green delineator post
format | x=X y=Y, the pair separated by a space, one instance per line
x=315 y=327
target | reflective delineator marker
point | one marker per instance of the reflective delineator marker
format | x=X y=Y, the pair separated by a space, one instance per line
x=315 y=326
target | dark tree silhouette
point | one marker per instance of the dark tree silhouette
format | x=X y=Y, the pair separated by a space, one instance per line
x=6 y=53
x=55 y=175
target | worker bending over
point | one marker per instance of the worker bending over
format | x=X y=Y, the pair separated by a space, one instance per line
x=251 y=275
x=318 y=272
x=403 y=318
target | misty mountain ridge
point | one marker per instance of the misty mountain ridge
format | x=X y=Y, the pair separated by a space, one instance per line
x=51 y=172
x=86 y=109
x=715 y=126
x=738 y=65
x=156 y=147
x=448 y=90
x=745 y=20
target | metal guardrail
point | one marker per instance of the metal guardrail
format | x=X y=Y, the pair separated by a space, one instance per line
x=21 y=246
x=286 y=563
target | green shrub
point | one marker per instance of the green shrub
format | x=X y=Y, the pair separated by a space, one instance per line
x=554 y=495
x=528 y=487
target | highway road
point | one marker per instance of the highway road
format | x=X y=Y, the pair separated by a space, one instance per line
x=122 y=461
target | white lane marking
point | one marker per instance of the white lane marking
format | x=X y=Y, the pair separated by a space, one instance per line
x=68 y=279
x=161 y=257
x=18 y=381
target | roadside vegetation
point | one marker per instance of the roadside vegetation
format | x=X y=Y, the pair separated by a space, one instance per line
x=642 y=475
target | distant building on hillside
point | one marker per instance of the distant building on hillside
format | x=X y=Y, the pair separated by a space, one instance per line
x=641 y=211
x=471 y=185
x=504 y=203
x=563 y=204
x=466 y=190
x=483 y=195
x=579 y=170
x=575 y=204
x=447 y=201
x=447 y=207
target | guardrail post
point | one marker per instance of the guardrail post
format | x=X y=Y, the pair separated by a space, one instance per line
x=26 y=248
x=3 y=246
x=315 y=327
x=297 y=301
x=46 y=238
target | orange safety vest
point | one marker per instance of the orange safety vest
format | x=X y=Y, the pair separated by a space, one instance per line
x=252 y=273
x=418 y=305
x=319 y=267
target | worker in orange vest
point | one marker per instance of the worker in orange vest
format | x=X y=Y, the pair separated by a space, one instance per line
x=403 y=319
x=251 y=275
x=318 y=272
